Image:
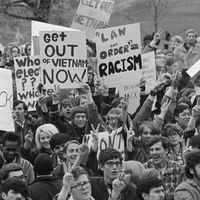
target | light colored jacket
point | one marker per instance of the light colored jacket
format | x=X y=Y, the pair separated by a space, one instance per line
x=187 y=190
x=185 y=58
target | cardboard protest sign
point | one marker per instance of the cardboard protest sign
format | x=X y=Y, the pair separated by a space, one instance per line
x=36 y=27
x=194 y=73
x=113 y=140
x=27 y=73
x=92 y=15
x=64 y=59
x=149 y=70
x=6 y=100
x=119 y=54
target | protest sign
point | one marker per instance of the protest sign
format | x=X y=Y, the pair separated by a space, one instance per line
x=36 y=27
x=194 y=73
x=64 y=59
x=149 y=70
x=27 y=74
x=119 y=54
x=112 y=140
x=6 y=100
x=92 y=15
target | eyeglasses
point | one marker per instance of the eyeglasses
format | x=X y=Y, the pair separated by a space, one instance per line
x=10 y=149
x=111 y=164
x=113 y=118
x=172 y=134
x=81 y=186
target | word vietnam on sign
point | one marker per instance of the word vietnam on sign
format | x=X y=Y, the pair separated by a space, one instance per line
x=64 y=59
x=119 y=54
x=27 y=73
x=92 y=15
x=6 y=100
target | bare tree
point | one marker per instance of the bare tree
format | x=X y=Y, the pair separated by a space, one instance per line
x=38 y=10
x=158 y=9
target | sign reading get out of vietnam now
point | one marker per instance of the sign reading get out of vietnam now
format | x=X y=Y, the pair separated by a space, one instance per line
x=119 y=54
x=64 y=59
x=6 y=100
x=92 y=15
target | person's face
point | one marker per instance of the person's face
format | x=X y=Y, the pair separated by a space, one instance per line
x=83 y=103
x=146 y=134
x=113 y=121
x=10 y=149
x=58 y=150
x=184 y=118
x=17 y=174
x=15 y=52
x=155 y=194
x=174 y=138
x=66 y=110
x=169 y=55
x=44 y=140
x=81 y=189
x=28 y=50
x=191 y=38
x=158 y=153
x=12 y=195
x=80 y=120
x=112 y=168
x=72 y=152
x=19 y=112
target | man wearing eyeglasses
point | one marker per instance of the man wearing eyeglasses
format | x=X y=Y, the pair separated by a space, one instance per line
x=111 y=186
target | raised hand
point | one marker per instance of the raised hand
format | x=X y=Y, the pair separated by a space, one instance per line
x=95 y=137
x=68 y=181
x=83 y=150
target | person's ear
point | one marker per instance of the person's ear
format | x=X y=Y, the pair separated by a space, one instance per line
x=3 y=194
x=101 y=167
x=145 y=196
x=176 y=118
x=191 y=171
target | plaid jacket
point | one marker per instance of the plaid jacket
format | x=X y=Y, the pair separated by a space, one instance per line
x=173 y=175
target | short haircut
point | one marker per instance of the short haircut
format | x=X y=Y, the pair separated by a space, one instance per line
x=66 y=102
x=7 y=168
x=77 y=171
x=192 y=160
x=78 y=99
x=78 y=109
x=146 y=184
x=155 y=139
x=109 y=154
x=68 y=143
x=16 y=185
x=168 y=128
x=180 y=108
x=178 y=39
x=191 y=31
x=58 y=139
x=194 y=142
x=10 y=136
x=151 y=125
x=17 y=102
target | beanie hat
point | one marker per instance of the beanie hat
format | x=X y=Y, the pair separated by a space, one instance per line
x=58 y=139
x=43 y=164
x=78 y=109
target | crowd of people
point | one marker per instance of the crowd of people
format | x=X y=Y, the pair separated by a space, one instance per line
x=47 y=156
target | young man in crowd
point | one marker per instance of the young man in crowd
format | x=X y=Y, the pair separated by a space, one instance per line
x=14 y=189
x=171 y=173
x=11 y=147
x=190 y=189
x=111 y=185
x=45 y=186
x=150 y=189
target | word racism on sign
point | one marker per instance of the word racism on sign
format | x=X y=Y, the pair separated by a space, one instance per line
x=64 y=59
x=27 y=73
x=119 y=54
x=6 y=100
x=149 y=70
x=113 y=140
x=92 y=15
